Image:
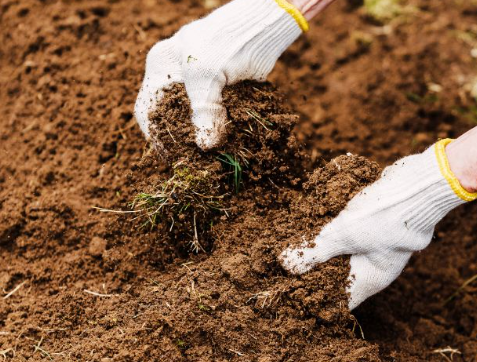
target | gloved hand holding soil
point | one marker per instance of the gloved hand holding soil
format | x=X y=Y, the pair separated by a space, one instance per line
x=241 y=40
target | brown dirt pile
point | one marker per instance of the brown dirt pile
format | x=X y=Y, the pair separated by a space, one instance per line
x=233 y=300
x=258 y=149
x=237 y=300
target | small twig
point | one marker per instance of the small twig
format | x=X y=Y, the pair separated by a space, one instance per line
x=259 y=119
x=273 y=183
x=196 y=236
x=127 y=127
x=186 y=265
x=443 y=351
x=62 y=354
x=100 y=209
x=356 y=323
x=465 y=284
x=238 y=353
x=179 y=163
x=6 y=351
x=170 y=134
x=99 y=294
x=195 y=243
x=14 y=290
x=41 y=350
x=266 y=296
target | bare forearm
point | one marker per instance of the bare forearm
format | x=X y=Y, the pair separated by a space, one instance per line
x=462 y=156
x=310 y=8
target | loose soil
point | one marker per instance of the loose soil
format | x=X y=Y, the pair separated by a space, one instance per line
x=236 y=301
x=96 y=286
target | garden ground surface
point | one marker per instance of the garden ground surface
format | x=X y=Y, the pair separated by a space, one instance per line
x=85 y=285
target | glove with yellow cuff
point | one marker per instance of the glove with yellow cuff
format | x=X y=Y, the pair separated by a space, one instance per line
x=240 y=40
x=386 y=222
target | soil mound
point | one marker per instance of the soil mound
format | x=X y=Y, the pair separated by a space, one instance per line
x=236 y=301
x=222 y=295
x=258 y=149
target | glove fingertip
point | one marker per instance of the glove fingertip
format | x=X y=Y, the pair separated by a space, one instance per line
x=206 y=139
x=210 y=127
x=293 y=261
x=141 y=111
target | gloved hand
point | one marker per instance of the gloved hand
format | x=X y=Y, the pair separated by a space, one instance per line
x=386 y=222
x=241 y=40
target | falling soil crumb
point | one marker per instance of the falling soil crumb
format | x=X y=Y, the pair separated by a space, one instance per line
x=97 y=246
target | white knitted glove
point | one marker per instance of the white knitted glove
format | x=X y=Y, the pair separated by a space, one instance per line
x=241 y=40
x=386 y=222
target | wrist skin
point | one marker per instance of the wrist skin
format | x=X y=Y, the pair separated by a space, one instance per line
x=310 y=8
x=462 y=156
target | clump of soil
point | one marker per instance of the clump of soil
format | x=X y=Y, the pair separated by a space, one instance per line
x=198 y=186
x=258 y=131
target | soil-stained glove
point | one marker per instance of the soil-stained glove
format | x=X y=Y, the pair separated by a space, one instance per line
x=386 y=222
x=241 y=40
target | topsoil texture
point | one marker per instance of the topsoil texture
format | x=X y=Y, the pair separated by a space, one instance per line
x=69 y=75
x=235 y=301
x=232 y=300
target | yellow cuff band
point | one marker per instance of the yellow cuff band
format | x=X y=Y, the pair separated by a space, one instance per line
x=440 y=148
x=295 y=13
